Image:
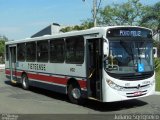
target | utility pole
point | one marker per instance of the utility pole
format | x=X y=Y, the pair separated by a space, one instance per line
x=94 y=12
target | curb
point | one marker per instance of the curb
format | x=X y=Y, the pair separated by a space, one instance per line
x=157 y=93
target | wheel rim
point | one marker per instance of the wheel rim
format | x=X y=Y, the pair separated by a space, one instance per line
x=76 y=93
x=24 y=82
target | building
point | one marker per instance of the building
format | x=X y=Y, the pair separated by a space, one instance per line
x=49 y=30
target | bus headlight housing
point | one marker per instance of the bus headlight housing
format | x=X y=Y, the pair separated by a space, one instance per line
x=115 y=86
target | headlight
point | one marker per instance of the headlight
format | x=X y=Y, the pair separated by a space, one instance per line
x=152 y=83
x=115 y=86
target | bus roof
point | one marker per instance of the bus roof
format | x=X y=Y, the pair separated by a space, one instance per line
x=93 y=30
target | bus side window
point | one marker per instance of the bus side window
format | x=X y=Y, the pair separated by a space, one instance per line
x=7 y=55
x=21 y=52
x=42 y=51
x=57 y=51
x=75 y=50
x=31 y=51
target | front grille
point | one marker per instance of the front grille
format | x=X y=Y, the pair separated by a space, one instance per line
x=135 y=87
x=135 y=77
x=136 y=94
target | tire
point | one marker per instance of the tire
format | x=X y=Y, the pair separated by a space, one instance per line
x=25 y=82
x=74 y=94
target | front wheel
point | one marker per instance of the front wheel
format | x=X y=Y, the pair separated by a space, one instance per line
x=74 y=94
x=25 y=82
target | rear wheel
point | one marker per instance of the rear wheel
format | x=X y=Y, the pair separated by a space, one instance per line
x=74 y=94
x=25 y=82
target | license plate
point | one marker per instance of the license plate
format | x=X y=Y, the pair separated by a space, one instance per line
x=137 y=93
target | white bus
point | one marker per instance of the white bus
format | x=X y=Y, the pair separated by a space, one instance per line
x=107 y=64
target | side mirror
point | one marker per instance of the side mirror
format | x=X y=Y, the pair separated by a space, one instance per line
x=155 y=52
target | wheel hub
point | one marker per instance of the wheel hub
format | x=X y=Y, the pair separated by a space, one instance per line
x=24 y=82
x=76 y=93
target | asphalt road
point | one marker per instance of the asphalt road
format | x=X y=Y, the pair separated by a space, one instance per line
x=37 y=102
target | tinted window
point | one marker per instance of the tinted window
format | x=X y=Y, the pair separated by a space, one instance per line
x=21 y=52
x=57 y=50
x=7 y=55
x=31 y=51
x=75 y=50
x=42 y=51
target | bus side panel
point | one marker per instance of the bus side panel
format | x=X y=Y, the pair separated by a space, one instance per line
x=17 y=74
x=48 y=82
x=55 y=88
x=6 y=70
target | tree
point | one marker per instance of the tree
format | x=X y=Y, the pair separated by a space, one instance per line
x=85 y=25
x=3 y=39
x=2 y=44
x=152 y=17
x=129 y=13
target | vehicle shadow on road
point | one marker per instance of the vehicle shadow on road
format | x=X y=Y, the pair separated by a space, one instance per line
x=114 y=106
x=40 y=91
x=7 y=82
x=91 y=104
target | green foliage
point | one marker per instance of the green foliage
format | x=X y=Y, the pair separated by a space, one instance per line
x=2 y=46
x=152 y=17
x=129 y=13
x=157 y=69
x=157 y=44
x=157 y=64
x=85 y=25
x=158 y=81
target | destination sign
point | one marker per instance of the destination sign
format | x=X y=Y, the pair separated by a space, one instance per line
x=129 y=32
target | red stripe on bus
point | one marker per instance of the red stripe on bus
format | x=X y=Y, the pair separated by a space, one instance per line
x=18 y=74
x=50 y=79
x=7 y=72
x=82 y=84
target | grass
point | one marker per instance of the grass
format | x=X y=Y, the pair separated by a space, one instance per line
x=158 y=81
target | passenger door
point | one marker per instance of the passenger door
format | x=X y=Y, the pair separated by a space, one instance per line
x=12 y=63
x=94 y=68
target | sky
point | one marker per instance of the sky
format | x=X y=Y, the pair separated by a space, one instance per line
x=22 y=18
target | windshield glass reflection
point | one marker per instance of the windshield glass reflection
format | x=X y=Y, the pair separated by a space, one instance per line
x=129 y=57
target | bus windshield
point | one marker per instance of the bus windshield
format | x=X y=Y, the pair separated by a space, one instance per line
x=129 y=56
